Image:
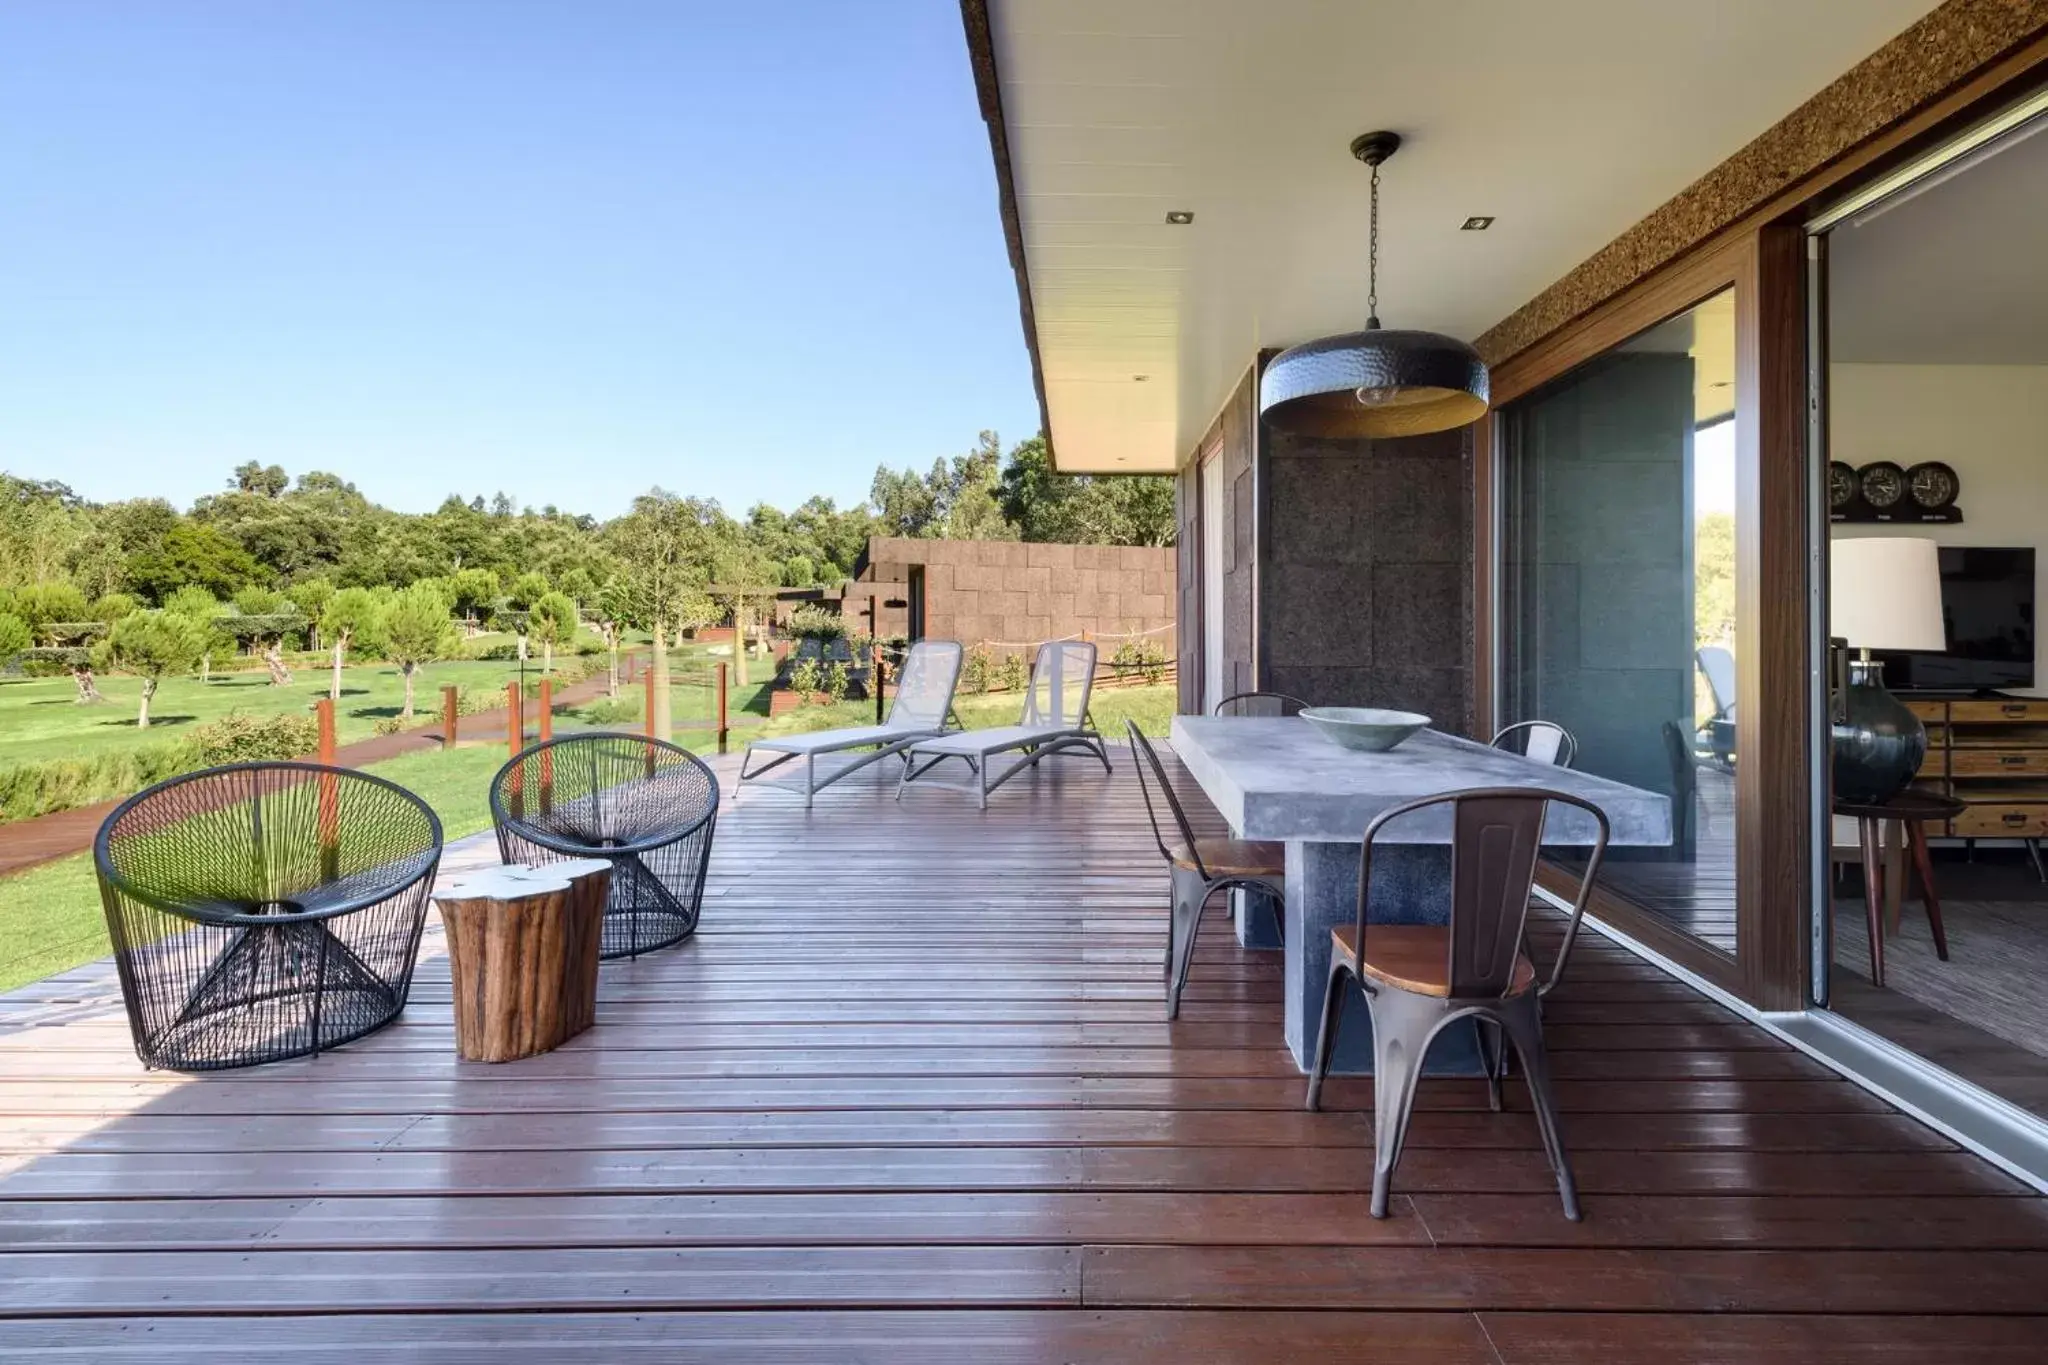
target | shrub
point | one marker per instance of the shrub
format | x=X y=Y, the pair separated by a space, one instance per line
x=835 y=683
x=805 y=678
x=815 y=623
x=239 y=737
x=609 y=711
x=1140 y=656
x=40 y=788
x=1010 y=673
x=975 y=670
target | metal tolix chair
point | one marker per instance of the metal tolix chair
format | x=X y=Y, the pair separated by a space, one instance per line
x=1259 y=704
x=1420 y=978
x=1201 y=868
x=1545 y=741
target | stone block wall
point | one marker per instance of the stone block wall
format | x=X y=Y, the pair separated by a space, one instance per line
x=1015 y=592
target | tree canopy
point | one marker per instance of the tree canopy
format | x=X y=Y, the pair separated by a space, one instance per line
x=297 y=542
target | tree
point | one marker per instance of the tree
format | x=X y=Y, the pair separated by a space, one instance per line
x=528 y=589
x=1135 y=509
x=310 y=596
x=43 y=605
x=660 y=543
x=476 y=592
x=613 y=608
x=152 y=645
x=196 y=604
x=191 y=553
x=111 y=607
x=14 y=637
x=417 y=631
x=253 y=477
x=350 y=613
x=552 y=621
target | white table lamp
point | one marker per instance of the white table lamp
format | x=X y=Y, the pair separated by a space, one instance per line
x=1884 y=592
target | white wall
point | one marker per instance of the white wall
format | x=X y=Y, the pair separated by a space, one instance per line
x=1987 y=422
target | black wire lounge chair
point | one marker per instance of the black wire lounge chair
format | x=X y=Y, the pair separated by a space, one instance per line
x=264 y=910
x=645 y=806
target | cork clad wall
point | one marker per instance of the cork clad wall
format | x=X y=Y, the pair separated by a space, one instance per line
x=1019 y=593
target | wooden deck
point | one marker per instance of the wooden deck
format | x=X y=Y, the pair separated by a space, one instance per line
x=907 y=1098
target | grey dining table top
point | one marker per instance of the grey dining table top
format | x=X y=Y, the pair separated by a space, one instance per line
x=1280 y=778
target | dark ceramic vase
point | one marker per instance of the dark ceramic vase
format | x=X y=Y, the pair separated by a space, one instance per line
x=1878 y=742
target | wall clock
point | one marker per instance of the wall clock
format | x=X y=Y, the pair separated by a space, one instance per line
x=1841 y=486
x=1883 y=485
x=1933 y=485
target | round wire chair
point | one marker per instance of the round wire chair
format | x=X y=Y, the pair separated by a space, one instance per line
x=643 y=805
x=264 y=910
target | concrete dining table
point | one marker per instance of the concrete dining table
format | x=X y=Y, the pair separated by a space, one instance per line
x=1279 y=779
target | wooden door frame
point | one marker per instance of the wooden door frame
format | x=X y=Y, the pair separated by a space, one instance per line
x=1765 y=269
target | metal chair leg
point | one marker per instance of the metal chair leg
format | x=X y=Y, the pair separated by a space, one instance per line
x=1401 y=1028
x=1493 y=1054
x=1525 y=1026
x=1190 y=898
x=1326 y=1033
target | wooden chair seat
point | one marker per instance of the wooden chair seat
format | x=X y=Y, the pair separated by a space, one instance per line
x=1234 y=857
x=1413 y=957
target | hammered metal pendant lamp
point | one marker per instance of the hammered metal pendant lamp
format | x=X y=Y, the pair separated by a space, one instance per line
x=1376 y=382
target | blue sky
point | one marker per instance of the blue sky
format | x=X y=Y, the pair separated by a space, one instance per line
x=564 y=249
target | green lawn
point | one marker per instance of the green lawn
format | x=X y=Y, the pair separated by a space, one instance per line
x=39 y=719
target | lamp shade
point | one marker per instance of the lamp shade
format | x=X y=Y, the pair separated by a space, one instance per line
x=1884 y=592
x=1375 y=383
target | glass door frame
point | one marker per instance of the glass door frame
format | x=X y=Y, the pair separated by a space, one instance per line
x=1774 y=745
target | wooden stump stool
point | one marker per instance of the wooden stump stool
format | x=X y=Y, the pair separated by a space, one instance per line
x=522 y=954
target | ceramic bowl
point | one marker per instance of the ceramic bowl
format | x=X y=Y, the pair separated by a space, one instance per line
x=1365 y=728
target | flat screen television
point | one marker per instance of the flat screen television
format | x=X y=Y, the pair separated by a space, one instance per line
x=1987 y=611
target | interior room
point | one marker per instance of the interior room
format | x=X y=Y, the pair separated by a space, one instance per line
x=1937 y=415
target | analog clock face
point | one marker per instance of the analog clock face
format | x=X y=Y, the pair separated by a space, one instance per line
x=1841 y=485
x=1884 y=484
x=1932 y=484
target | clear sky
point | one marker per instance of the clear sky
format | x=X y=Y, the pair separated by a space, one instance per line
x=566 y=248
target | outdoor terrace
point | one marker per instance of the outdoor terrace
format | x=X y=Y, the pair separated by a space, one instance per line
x=908 y=1097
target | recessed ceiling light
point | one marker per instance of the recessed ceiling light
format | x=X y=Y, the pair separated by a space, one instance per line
x=1480 y=223
x=1140 y=378
x=1180 y=217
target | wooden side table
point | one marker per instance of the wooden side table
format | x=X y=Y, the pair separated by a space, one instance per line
x=1909 y=813
x=523 y=946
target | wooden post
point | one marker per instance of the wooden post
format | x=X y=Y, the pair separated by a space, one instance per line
x=330 y=794
x=451 y=712
x=515 y=717
x=647 y=680
x=875 y=674
x=523 y=945
x=721 y=707
x=547 y=757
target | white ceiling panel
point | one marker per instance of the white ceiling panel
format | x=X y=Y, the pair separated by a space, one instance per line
x=1566 y=120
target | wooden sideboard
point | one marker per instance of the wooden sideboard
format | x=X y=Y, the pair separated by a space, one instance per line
x=1993 y=755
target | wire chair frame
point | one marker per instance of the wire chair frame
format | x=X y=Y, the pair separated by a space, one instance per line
x=646 y=806
x=1244 y=704
x=261 y=911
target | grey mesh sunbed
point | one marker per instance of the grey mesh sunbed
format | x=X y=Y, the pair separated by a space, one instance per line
x=1055 y=720
x=924 y=699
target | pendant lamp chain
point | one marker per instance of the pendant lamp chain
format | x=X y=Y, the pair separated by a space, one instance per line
x=1372 y=258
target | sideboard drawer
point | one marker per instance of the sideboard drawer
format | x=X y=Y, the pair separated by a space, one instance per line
x=1931 y=712
x=1997 y=712
x=1991 y=821
x=1998 y=762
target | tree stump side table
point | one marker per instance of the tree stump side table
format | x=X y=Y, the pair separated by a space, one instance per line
x=522 y=955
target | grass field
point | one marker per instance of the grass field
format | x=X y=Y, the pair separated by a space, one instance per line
x=39 y=718
x=50 y=918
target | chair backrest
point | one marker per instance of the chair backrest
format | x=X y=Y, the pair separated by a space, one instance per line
x=1685 y=780
x=603 y=791
x=1061 y=678
x=1149 y=758
x=1543 y=740
x=1496 y=838
x=925 y=685
x=1259 y=704
x=1717 y=665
